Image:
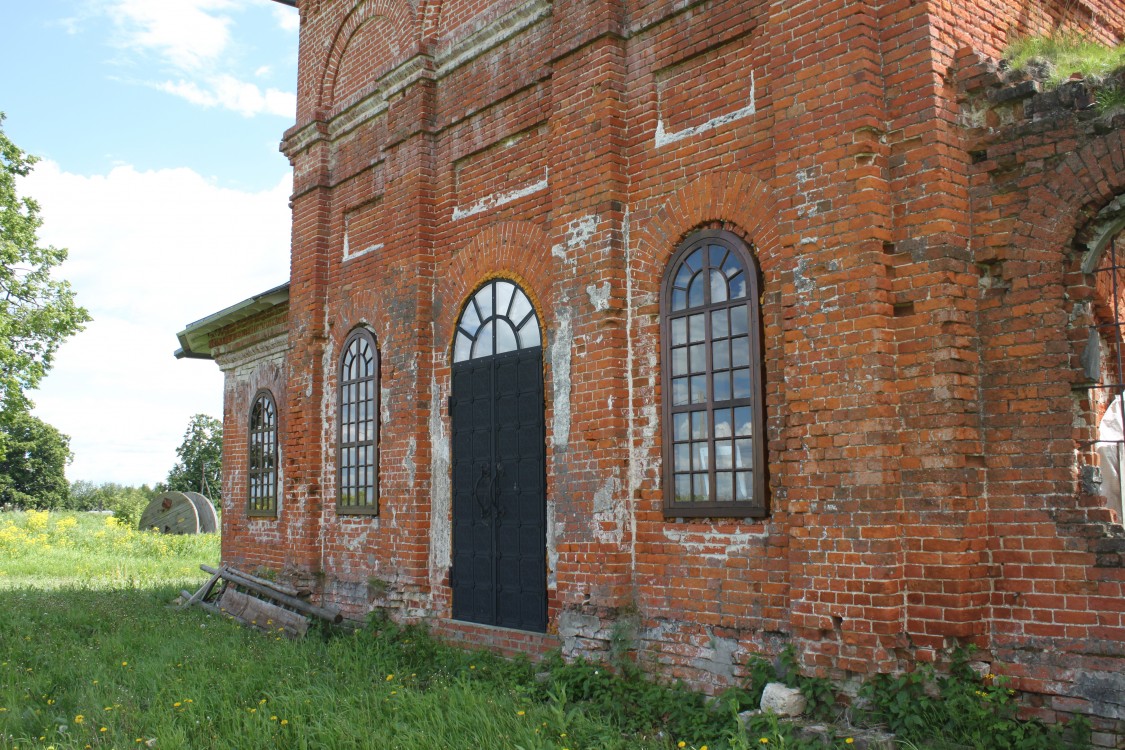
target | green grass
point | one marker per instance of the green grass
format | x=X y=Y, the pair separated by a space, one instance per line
x=92 y=656
x=1069 y=54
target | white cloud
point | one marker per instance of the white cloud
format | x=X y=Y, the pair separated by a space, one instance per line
x=150 y=252
x=287 y=18
x=196 y=41
x=230 y=93
x=188 y=34
x=264 y=70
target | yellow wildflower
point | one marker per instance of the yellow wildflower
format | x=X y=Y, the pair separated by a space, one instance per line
x=390 y=677
x=273 y=718
x=520 y=713
x=849 y=741
x=103 y=729
x=79 y=719
x=681 y=743
x=284 y=722
x=177 y=704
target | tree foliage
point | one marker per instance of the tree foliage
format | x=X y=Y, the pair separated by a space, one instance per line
x=33 y=469
x=37 y=311
x=126 y=502
x=201 y=459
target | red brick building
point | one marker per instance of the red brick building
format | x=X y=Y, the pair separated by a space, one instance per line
x=702 y=327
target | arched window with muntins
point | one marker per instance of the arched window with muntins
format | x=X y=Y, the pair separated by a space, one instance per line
x=357 y=475
x=712 y=379
x=499 y=318
x=262 y=464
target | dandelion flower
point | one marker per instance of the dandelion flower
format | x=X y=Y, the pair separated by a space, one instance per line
x=390 y=677
x=177 y=704
x=849 y=741
x=284 y=722
x=520 y=713
x=764 y=740
x=262 y=702
x=681 y=743
x=273 y=718
x=104 y=729
x=124 y=663
x=79 y=719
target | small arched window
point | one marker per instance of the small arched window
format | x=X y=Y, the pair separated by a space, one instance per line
x=357 y=479
x=262 y=469
x=714 y=441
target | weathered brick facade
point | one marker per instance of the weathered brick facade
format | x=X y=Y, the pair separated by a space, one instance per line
x=918 y=220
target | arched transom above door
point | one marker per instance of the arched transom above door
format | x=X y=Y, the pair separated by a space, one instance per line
x=499 y=318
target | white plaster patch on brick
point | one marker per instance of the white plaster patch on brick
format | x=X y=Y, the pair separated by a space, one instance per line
x=552 y=546
x=608 y=509
x=664 y=137
x=599 y=296
x=499 y=199
x=408 y=463
x=713 y=545
x=560 y=351
x=359 y=253
x=580 y=231
x=441 y=491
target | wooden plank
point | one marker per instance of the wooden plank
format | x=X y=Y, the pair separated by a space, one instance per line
x=203 y=592
x=324 y=613
x=262 y=614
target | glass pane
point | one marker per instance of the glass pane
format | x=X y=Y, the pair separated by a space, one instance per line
x=470 y=321
x=698 y=389
x=483 y=299
x=699 y=455
x=720 y=355
x=722 y=423
x=738 y=286
x=699 y=425
x=482 y=347
x=724 y=455
x=718 y=252
x=698 y=357
x=742 y=384
x=679 y=391
x=742 y=421
x=718 y=287
x=695 y=292
x=682 y=426
x=679 y=299
x=462 y=347
x=741 y=347
x=505 y=337
x=744 y=454
x=744 y=486
x=504 y=292
x=520 y=306
x=701 y=488
x=679 y=361
x=529 y=333
x=695 y=260
x=724 y=486
x=697 y=331
x=683 y=488
x=722 y=386
x=682 y=460
x=683 y=277
x=739 y=323
x=720 y=328
x=679 y=331
x=732 y=265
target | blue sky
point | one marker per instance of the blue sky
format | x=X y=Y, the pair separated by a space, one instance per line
x=158 y=124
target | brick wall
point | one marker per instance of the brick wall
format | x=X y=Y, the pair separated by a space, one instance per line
x=921 y=313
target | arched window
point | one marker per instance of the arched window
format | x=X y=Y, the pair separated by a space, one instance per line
x=358 y=458
x=498 y=319
x=262 y=469
x=714 y=441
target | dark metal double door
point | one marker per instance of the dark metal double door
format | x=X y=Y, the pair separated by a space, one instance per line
x=499 y=572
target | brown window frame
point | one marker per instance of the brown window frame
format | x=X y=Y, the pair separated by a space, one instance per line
x=261 y=442
x=757 y=505
x=371 y=465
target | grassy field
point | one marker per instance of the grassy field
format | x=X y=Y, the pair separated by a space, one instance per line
x=93 y=655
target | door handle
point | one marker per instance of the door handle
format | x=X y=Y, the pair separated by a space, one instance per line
x=485 y=509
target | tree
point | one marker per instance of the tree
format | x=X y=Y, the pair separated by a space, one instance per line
x=33 y=469
x=37 y=311
x=201 y=459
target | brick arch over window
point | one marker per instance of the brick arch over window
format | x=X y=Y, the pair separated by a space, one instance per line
x=733 y=201
x=1044 y=254
x=517 y=250
x=396 y=12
